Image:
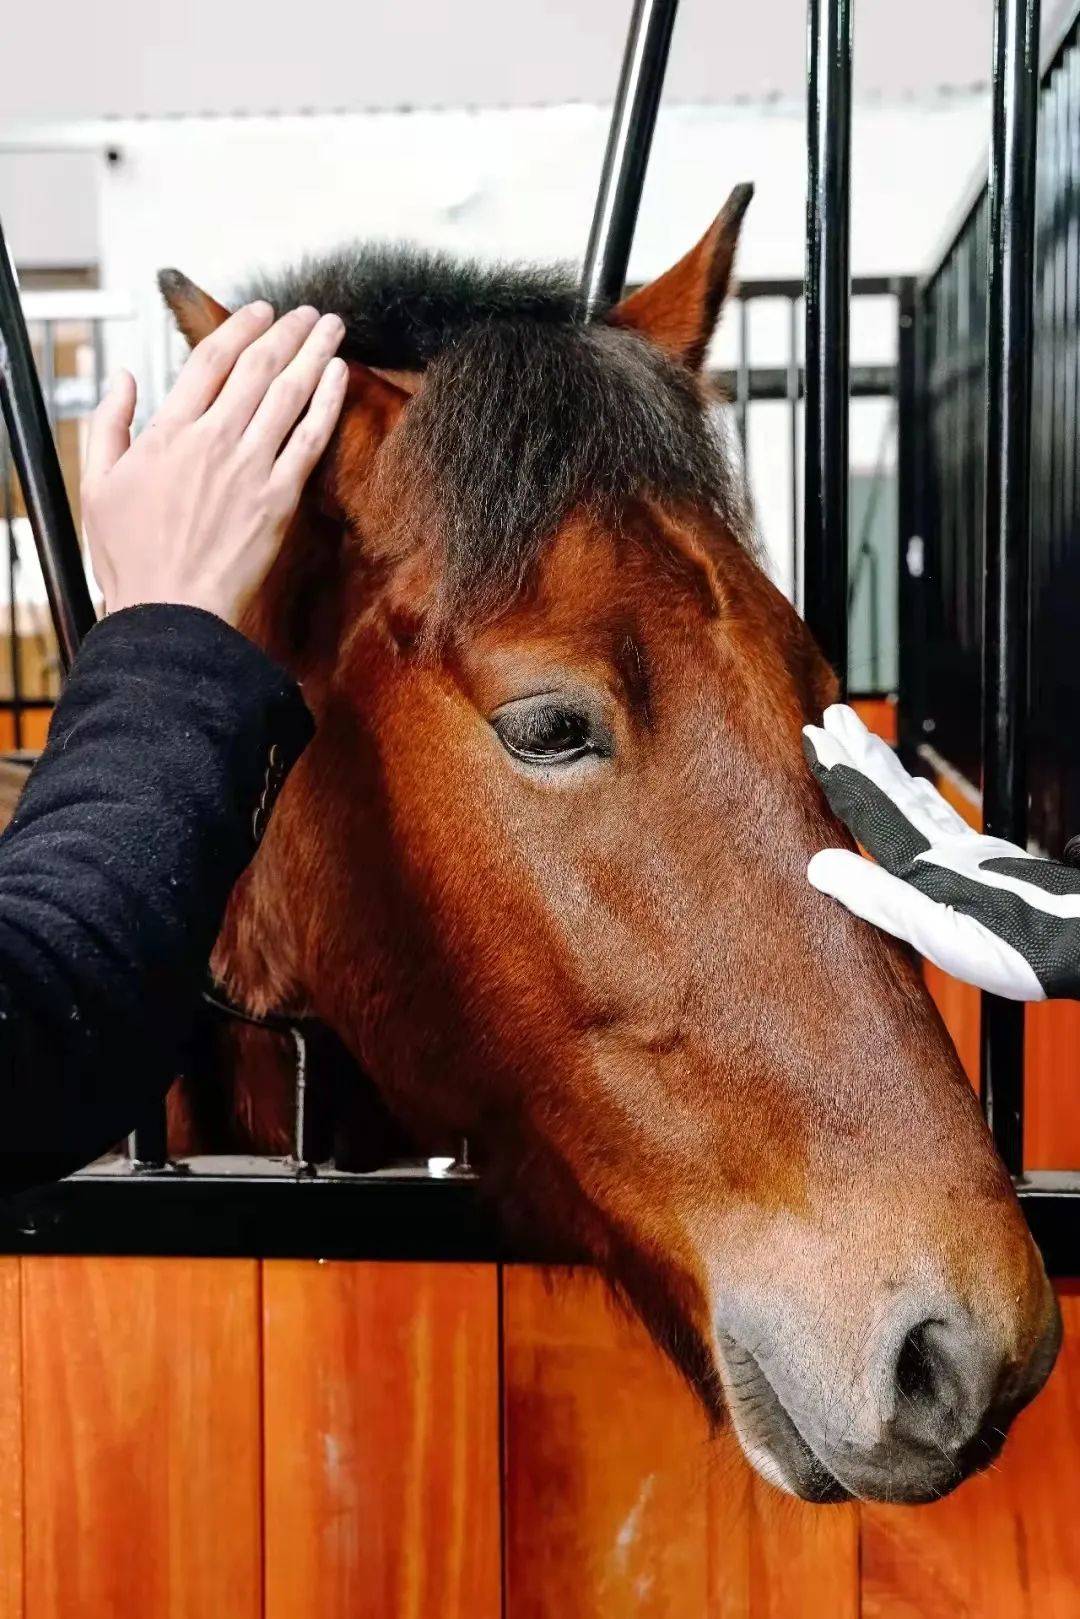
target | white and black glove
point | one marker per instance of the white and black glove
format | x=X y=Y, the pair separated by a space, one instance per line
x=978 y=907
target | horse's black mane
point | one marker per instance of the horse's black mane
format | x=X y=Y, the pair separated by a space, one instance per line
x=525 y=412
x=402 y=306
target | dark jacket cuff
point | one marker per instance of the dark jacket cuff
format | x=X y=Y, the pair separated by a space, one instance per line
x=230 y=688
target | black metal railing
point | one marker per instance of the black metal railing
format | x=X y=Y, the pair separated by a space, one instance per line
x=950 y=559
x=992 y=687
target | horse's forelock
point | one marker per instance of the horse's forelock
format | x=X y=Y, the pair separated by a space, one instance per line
x=523 y=415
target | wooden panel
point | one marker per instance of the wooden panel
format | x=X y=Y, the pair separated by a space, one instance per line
x=382 y=1441
x=1052 y=1086
x=35 y=724
x=141 y=1390
x=619 y=1503
x=1005 y=1546
x=11 y=1443
x=1051 y=1067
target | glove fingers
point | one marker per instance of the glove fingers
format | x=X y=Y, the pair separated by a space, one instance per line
x=877 y=822
x=869 y=752
x=956 y=942
x=874 y=758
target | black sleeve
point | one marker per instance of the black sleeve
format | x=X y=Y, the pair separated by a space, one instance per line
x=165 y=754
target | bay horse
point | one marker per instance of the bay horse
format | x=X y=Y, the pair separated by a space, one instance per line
x=543 y=870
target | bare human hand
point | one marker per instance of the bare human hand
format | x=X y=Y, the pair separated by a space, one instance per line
x=194 y=511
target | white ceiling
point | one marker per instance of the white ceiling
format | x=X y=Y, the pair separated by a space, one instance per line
x=154 y=57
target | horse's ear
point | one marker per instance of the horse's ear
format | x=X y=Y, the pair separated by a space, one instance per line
x=372 y=406
x=678 y=311
x=195 y=312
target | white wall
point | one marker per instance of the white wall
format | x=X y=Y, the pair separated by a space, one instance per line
x=50 y=206
x=217 y=197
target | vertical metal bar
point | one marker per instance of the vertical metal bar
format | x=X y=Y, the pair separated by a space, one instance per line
x=1008 y=513
x=911 y=541
x=626 y=159
x=147 y=1146
x=301 y=1160
x=6 y=475
x=1074 y=261
x=965 y=403
x=793 y=381
x=1072 y=266
x=828 y=287
x=38 y=467
x=742 y=385
x=1060 y=137
x=1043 y=446
x=872 y=574
x=97 y=341
x=48 y=370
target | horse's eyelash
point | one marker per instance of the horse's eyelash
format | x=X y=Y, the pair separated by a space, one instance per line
x=536 y=723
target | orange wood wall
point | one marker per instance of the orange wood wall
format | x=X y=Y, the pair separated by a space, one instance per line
x=195 y=1439
x=35 y=729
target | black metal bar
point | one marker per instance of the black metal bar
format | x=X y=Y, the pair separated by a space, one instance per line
x=15 y=662
x=793 y=382
x=333 y=1216
x=27 y=704
x=866 y=286
x=47 y=371
x=828 y=287
x=910 y=538
x=774 y=382
x=38 y=467
x=626 y=159
x=409 y=1216
x=793 y=286
x=1060 y=32
x=1008 y=512
x=742 y=384
x=148 y=1142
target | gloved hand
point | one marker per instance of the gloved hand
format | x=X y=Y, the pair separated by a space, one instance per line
x=978 y=907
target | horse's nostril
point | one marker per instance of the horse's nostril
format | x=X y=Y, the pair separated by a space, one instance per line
x=916 y=1370
x=929 y=1385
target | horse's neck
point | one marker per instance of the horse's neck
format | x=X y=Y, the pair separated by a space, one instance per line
x=256 y=958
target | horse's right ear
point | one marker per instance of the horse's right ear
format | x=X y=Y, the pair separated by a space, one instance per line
x=195 y=312
x=372 y=406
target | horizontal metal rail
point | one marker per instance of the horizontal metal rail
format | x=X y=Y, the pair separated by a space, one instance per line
x=393 y=1215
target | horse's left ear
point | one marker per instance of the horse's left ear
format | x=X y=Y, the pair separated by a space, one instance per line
x=372 y=407
x=678 y=311
x=195 y=312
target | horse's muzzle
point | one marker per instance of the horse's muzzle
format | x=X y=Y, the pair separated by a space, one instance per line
x=933 y=1407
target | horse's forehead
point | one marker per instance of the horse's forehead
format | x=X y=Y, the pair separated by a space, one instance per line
x=646 y=572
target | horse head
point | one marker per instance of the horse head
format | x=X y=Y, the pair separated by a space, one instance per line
x=543 y=870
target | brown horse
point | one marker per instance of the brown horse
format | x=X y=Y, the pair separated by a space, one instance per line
x=543 y=871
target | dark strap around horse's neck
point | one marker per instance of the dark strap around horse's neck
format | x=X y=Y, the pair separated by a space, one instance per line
x=277 y=1022
x=297 y=1029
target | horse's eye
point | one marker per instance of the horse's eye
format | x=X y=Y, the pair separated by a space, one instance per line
x=546 y=731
